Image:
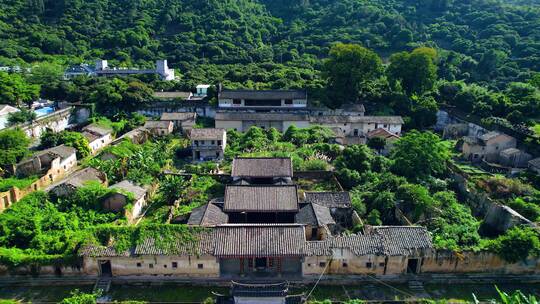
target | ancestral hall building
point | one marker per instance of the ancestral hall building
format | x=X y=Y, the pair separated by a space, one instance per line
x=263 y=228
x=280 y=109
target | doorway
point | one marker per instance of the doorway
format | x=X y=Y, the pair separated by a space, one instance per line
x=412 y=266
x=260 y=263
x=105 y=268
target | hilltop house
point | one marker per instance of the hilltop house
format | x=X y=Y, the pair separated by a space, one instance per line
x=208 y=144
x=487 y=146
x=159 y=127
x=98 y=137
x=102 y=69
x=514 y=158
x=5 y=110
x=388 y=137
x=77 y=180
x=202 y=90
x=126 y=193
x=241 y=109
x=183 y=122
x=55 y=161
x=262 y=99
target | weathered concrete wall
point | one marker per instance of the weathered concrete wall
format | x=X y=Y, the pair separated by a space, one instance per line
x=57 y=121
x=476 y=262
x=497 y=217
x=344 y=263
x=42 y=271
x=187 y=266
x=201 y=108
x=51 y=176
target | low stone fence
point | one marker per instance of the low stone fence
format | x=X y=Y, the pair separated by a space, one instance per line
x=15 y=194
x=497 y=217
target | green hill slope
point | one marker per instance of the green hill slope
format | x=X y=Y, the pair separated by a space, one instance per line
x=487 y=41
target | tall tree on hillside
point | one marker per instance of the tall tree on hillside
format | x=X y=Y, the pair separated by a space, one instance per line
x=348 y=69
x=13 y=147
x=415 y=71
x=14 y=89
x=418 y=155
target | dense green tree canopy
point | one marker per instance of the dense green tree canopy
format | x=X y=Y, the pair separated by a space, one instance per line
x=347 y=69
x=13 y=146
x=15 y=90
x=419 y=154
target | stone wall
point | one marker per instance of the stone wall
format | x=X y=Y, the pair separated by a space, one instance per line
x=476 y=262
x=15 y=194
x=497 y=217
x=42 y=271
x=57 y=121
x=186 y=266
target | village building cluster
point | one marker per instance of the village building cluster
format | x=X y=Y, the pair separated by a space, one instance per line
x=263 y=228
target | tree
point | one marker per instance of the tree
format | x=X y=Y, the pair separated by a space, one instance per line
x=374 y=218
x=14 y=90
x=535 y=80
x=414 y=200
x=13 y=146
x=415 y=71
x=418 y=155
x=72 y=139
x=423 y=112
x=46 y=73
x=517 y=244
x=78 y=297
x=347 y=70
x=22 y=116
x=355 y=157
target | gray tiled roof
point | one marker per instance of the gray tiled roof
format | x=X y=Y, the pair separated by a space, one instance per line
x=179 y=116
x=172 y=95
x=128 y=186
x=403 y=240
x=254 y=198
x=358 y=244
x=329 y=199
x=262 y=167
x=259 y=240
x=97 y=130
x=241 y=116
x=207 y=133
x=354 y=107
x=61 y=151
x=378 y=240
x=262 y=94
x=82 y=177
x=314 y=215
x=535 y=162
x=202 y=243
x=267 y=240
x=208 y=215
x=162 y=124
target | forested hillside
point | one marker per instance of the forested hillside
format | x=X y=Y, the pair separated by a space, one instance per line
x=274 y=42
